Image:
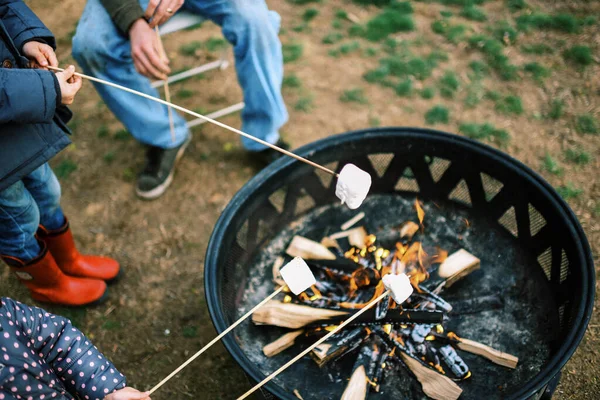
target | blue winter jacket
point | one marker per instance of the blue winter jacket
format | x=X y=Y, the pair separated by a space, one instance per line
x=32 y=120
x=42 y=356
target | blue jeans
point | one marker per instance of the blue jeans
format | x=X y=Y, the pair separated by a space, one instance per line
x=102 y=51
x=24 y=205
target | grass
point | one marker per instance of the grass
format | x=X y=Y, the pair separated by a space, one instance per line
x=65 y=168
x=309 y=14
x=337 y=24
x=341 y=14
x=303 y=2
x=479 y=68
x=587 y=124
x=448 y=84
x=493 y=50
x=427 y=93
x=537 y=48
x=291 y=81
x=304 y=104
x=485 y=131
x=122 y=135
x=392 y=19
x=492 y=95
x=579 y=55
x=185 y=94
x=404 y=65
x=103 y=131
x=510 y=104
x=214 y=44
x=437 y=115
x=505 y=32
x=332 y=38
x=568 y=191
x=345 y=48
x=189 y=332
x=516 y=5
x=578 y=156
x=190 y=49
x=374 y=121
x=404 y=88
x=537 y=71
x=550 y=165
x=566 y=23
x=556 y=109
x=109 y=157
x=453 y=33
x=292 y=52
x=475 y=93
x=356 y=95
x=473 y=13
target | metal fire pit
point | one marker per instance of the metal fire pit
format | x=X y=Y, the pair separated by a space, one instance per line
x=533 y=252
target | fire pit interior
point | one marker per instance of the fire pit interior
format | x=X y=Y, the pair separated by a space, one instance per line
x=531 y=297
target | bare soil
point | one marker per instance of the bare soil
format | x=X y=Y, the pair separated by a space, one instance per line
x=156 y=316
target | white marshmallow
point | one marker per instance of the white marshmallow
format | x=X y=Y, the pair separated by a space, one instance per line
x=297 y=275
x=399 y=285
x=352 y=186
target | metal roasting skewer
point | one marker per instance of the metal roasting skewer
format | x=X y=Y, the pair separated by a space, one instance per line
x=215 y=340
x=319 y=342
x=207 y=119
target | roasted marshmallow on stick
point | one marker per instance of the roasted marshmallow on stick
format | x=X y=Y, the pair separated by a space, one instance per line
x=297 y=275
x=399 y=287
x=352 y=186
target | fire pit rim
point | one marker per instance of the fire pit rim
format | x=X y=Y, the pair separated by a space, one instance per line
x=279 y=167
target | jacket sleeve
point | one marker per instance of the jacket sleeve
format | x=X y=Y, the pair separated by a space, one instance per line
x=28 y=96
x=123 y=12
x=75 y=360
x=22 y=24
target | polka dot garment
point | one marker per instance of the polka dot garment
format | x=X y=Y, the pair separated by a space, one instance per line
x=43 y=356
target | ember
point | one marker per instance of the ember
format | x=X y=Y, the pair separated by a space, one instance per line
x=405 y=328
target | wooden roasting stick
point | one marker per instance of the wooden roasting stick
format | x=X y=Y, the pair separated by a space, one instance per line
x=205 y=118
x=311 y=348
x=163 y=55
x=215 y=340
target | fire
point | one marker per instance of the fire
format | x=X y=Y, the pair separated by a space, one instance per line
x=420 y=212
x=453 y=336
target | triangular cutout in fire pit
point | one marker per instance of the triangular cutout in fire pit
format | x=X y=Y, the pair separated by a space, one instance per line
x=438 y=167
x=324 y=177
x=536 y=221
x=407 y=182
x=381 y=162
x=491 y=186
x=545 y=260
x=461 y=193
x=509 y=221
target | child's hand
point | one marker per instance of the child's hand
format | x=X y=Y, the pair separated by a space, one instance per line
x=128 y=394
x=40 y=55
x=69 y=84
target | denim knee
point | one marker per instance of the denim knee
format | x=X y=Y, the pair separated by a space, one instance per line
x=250 y=18
x=19 y=220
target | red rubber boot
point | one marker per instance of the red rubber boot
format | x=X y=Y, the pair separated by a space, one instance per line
x=62 y=246
x=47 y=283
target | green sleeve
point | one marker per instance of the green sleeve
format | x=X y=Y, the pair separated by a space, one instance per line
x=123 y=12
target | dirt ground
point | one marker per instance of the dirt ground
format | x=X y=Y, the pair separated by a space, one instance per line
x=156 y=315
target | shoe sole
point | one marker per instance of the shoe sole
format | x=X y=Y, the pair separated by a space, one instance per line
x=160 y=189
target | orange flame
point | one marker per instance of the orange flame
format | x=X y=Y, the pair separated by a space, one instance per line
x=379 y=289
x=420 y=212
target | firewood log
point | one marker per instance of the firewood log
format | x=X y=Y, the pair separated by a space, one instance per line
x=408 y=230
x=340 y=345
x=356 y=237
x=457 y=266
x=471 y=346
x=357 y=386
x=284 y=342
x=309 y=249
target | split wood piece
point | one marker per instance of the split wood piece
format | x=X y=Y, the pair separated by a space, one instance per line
x=348 y=224
x=215 y=340
x=408 y=230
x=204 y=118
x=297 y=394
x=357 y=386
x=356 y=237
x=163 y=56
x=311 y=348
x=284 y=342
x=457 y=266
x=296 y=316
x=336 y=348
x=434 y=384
x=309 y=249
x=495 y=356
x=328 y=242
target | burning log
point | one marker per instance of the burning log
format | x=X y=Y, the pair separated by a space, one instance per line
x=356 y=237
x=458 y=265
x=309 y=249
x=336 y=348
x=408 y=230
x=471 y=346
x=284 y=342
x=453 y=361
x=295 y=316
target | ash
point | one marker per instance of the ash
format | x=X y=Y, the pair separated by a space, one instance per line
x=525 y=326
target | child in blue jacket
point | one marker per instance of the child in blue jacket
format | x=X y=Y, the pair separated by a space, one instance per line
x=43 y=356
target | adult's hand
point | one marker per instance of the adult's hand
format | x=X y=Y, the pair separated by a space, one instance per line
x=159 y=11
x=40 y=55
x=128 y=394
x=69 y=84
x=145 y=51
